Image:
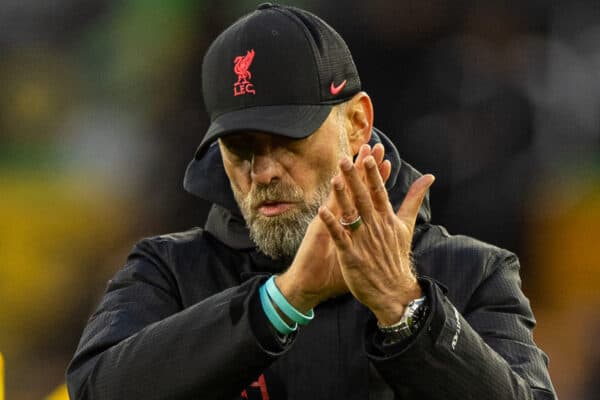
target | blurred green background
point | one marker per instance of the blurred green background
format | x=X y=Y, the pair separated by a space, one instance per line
x=101 y=109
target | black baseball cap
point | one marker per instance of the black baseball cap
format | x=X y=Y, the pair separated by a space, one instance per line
x=279 y=70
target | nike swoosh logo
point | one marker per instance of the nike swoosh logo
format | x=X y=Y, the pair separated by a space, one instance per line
x=337 y=89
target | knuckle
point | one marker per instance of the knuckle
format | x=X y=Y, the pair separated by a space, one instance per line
x=377 y=188
x=363 y=200
x=349 y=215
x=341 y=243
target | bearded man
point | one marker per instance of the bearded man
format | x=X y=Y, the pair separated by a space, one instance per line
x=318 y=273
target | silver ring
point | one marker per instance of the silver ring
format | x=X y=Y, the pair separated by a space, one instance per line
x=351 y=225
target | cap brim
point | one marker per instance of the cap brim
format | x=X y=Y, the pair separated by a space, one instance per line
x=293 y=121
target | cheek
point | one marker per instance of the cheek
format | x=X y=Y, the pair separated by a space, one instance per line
x=239 y=176
x=327 y=164
x=319 y=171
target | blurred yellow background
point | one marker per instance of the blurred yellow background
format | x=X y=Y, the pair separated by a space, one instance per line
x=101 y=109
x=1 y=377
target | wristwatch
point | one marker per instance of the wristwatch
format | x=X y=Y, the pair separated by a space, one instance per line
x=409 y=323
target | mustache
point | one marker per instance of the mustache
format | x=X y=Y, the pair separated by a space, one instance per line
x=273 y=192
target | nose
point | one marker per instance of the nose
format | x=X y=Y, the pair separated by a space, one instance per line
x=266 y=168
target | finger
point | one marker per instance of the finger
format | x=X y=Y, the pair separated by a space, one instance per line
x=378 y=152
x=412 y=202
x=330 y=201
x=347 y=209
x=335 y=229
x=385 y=170
x=377 y=189
x=363 y=152
x=358 y=190
x=385 y=167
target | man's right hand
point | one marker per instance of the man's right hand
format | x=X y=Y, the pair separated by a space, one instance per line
x=315 y=275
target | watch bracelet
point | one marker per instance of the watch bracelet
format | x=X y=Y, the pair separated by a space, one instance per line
x=405 y=321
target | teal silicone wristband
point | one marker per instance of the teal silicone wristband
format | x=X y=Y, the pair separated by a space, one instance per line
x=272 y=315
x=285 y=307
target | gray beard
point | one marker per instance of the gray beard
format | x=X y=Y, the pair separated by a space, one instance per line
x=280 y=236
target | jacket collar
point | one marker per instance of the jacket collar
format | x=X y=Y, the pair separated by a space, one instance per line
x=205 y=177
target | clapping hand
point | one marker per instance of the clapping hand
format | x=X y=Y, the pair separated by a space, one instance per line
x=315 y=274
x=372 y=241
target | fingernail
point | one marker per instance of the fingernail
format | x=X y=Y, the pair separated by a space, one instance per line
x=338 y=185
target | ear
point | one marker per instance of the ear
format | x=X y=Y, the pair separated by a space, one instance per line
x=359 y=114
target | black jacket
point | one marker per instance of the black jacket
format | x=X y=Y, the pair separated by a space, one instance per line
x=182 y=320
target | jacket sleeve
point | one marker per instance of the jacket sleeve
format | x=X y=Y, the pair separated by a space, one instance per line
x=141 y=343
x=487 y=353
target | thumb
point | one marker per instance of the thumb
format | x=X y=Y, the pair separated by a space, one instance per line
x=409 y=209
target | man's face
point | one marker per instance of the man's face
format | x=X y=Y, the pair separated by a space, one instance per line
x=279 y=183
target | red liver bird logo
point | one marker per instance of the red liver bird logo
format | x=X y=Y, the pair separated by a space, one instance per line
x=241 y=69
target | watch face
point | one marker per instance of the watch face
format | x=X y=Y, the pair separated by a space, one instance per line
x=411 y=322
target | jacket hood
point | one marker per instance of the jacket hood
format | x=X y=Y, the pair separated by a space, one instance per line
x=205 y=177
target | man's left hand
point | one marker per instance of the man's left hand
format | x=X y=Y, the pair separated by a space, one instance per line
x=375 y=256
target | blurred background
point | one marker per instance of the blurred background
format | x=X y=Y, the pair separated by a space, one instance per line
x=101 y=109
